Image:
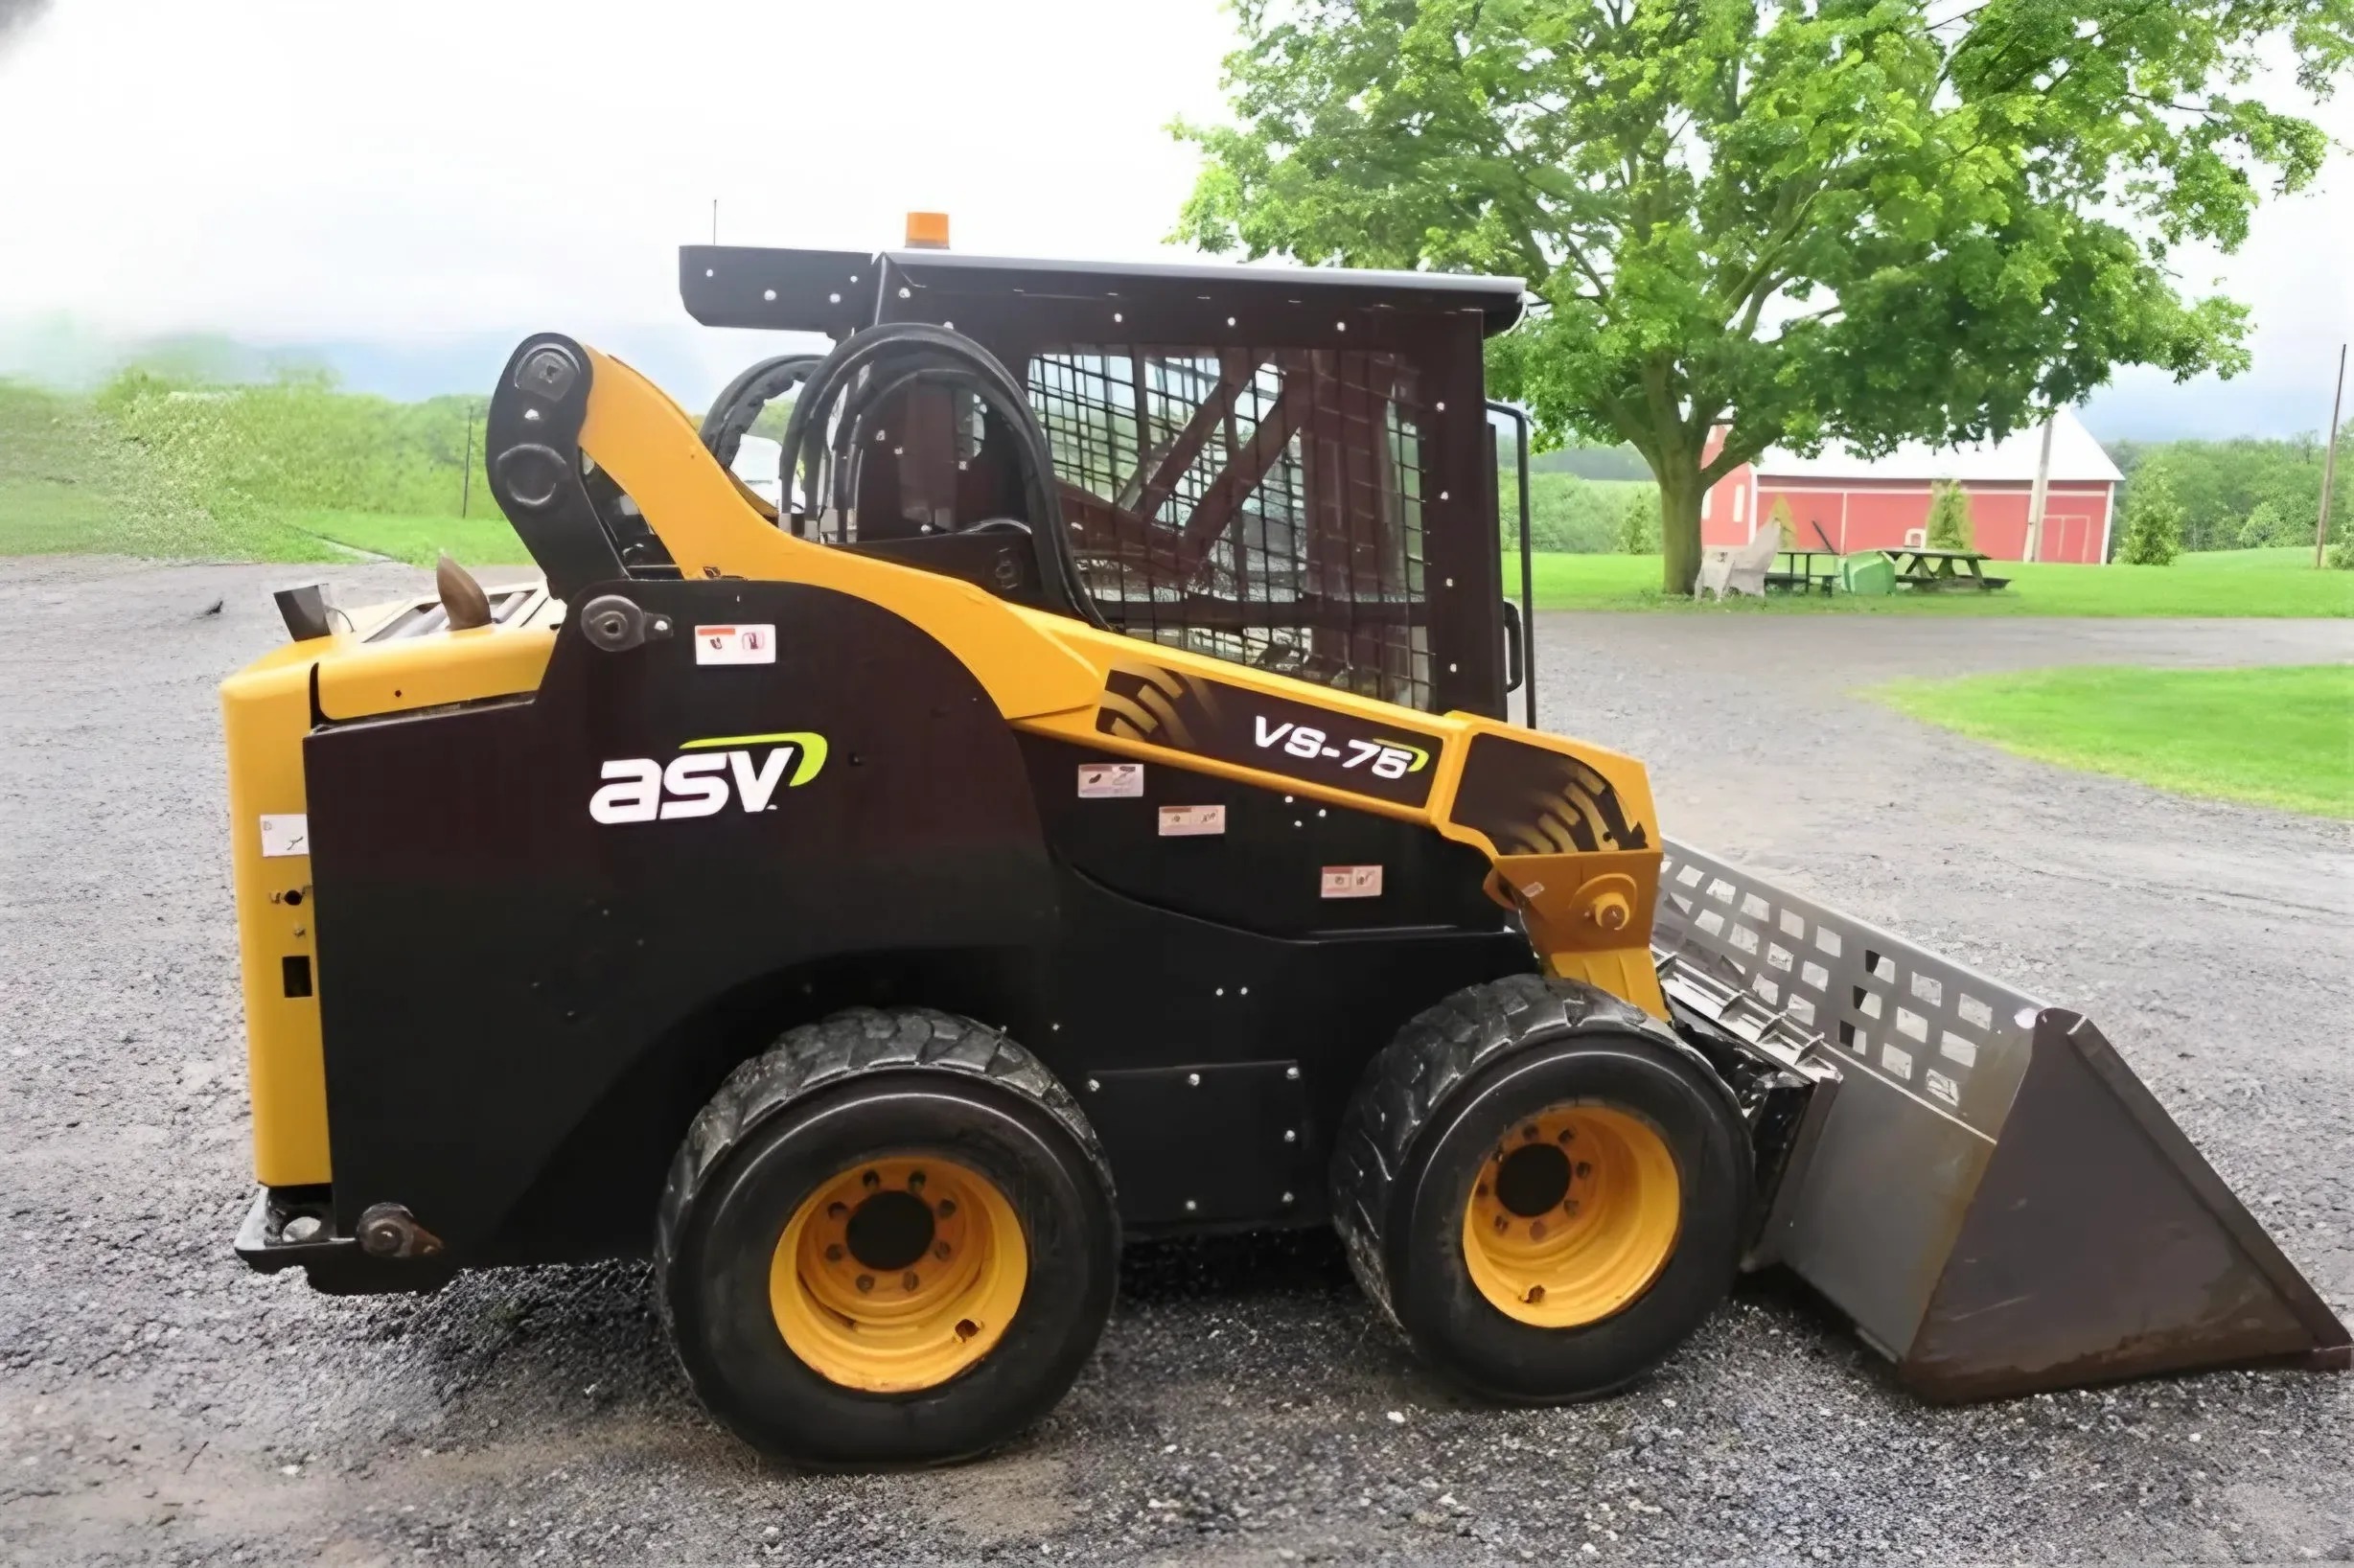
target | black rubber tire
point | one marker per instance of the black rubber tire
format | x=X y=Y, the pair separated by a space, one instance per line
x=1440 y=1096
x=857 y=1085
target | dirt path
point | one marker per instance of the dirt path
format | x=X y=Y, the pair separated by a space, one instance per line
x=158 y=1403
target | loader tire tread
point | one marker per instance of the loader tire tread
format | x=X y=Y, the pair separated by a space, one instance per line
x=814 y=1058
x=1439 y=1049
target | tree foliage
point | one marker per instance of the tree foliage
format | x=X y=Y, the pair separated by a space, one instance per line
x=1950 y=525
x=1567 y=515
x=2267 y=525
x=1639 y=523
x=1779 y=519
x=2153 y=524
x=2224 y=485
x=1867 y=221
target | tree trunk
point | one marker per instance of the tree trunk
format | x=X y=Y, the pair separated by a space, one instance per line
x=1680 y=494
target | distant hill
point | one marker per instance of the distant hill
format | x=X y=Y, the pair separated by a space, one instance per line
x=1621 y=462
x=690 y=362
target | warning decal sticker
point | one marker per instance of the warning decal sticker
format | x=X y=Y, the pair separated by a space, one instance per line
x=735 y=644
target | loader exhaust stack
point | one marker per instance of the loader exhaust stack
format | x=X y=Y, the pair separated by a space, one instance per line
x=1987 y=1189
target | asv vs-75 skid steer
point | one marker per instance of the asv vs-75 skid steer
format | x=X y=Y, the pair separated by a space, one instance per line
x=1084 y=805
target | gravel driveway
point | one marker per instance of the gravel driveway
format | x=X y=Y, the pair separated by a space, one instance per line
x=158 y=1402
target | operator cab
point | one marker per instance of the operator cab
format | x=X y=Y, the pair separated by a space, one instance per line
x=1288 y=467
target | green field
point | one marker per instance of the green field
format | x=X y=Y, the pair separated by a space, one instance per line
x=2184 y=730
x=296 y=471
x=475 y=541
x=2221 y=582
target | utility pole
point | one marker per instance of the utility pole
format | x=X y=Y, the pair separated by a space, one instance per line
x=466 y=470
x=2034 y=496
x=2329 y=463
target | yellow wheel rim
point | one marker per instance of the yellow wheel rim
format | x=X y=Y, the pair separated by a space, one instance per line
x=1572 y=1215
x=898 y=1274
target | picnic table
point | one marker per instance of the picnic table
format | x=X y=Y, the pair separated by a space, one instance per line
x=1936 y=570
x=1803 y=575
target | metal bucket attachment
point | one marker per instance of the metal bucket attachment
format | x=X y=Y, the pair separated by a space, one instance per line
x=1987 y=1189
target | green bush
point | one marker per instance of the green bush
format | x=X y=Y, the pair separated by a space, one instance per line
x=1639 y=523
x=2153 y=522
x=1568 y=514
x=2265 y=525
x=1950 y=525
x=2341 y=554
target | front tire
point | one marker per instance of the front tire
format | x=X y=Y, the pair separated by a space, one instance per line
x=888 y=1239
x=1542 y=1187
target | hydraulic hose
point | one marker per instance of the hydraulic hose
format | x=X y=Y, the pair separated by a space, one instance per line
x=935 y=356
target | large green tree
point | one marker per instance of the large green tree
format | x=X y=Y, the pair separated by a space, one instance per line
x=1864 y=220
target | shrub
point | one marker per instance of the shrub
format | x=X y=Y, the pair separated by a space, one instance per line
x=1780 y=517
x=1639 y=524
x=2152 y=521
x=1950 y=525
x=2265 y=525
x=2341 y=554
x=1566 y=514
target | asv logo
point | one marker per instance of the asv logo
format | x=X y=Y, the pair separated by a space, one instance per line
x=699 y=780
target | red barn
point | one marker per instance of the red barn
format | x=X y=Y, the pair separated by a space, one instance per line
x=1881 y=504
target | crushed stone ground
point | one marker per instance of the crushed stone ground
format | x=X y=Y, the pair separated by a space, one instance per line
x=158 y=1403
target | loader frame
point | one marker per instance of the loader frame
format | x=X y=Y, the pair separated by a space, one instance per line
x=1201 y=839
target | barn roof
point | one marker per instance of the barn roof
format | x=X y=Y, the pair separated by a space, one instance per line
x=2075 y=458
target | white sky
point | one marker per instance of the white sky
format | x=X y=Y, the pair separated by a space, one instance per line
x=282 y=170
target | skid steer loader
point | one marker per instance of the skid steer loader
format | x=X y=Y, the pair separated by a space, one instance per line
x=1084 y=805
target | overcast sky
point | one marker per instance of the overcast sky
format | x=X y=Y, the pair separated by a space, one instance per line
x=295 y=170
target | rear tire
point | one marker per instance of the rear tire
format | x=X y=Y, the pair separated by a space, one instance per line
x=1542 y=1187
x=834 y=1149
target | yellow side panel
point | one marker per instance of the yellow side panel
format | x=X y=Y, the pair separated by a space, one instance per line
x=1588 y=914
x=358 y=680
x=639 y=435
x=267 y=711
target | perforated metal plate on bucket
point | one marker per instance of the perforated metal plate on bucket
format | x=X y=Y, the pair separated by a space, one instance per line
x=1994 y=1197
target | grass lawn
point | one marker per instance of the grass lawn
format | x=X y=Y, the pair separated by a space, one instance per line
x=477 y=540
x=2275 y=735
x=2227 y=582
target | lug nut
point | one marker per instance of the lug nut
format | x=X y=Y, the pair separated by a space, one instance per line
x=1529 y=1131
x=1584 y=1171
x=865 y=1282
x=948 y=1207
x=837 y=1210
x=833 y=1254
x=1536 y=1293
x=916 y=1181
x=869 y=1180
x=1502 y=1225
x=908 y=1280
x=939 y=1250
x=1536 y=1229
